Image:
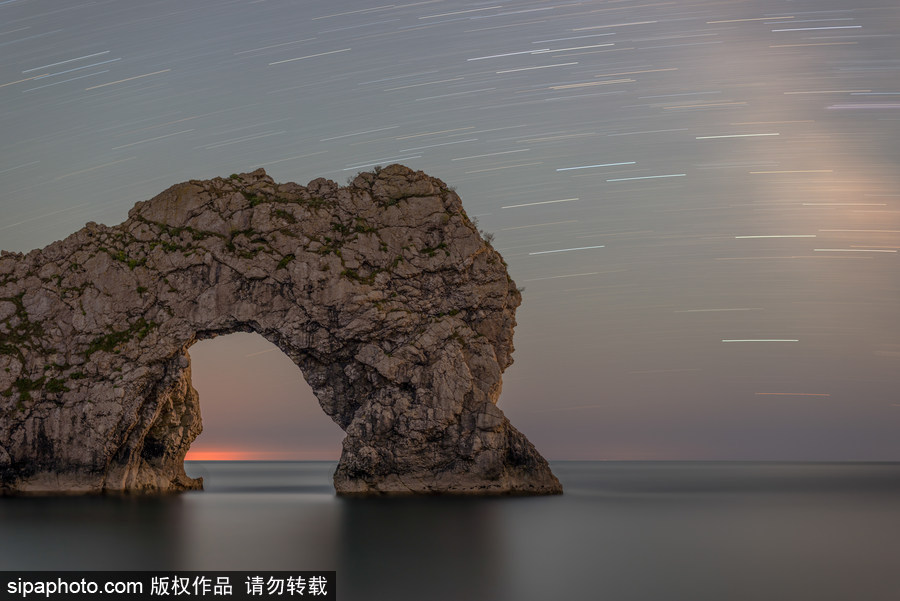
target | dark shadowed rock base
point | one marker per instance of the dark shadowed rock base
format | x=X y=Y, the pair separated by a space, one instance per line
x=383 y=293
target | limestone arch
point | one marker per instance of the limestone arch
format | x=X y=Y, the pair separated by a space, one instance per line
x=383 y=293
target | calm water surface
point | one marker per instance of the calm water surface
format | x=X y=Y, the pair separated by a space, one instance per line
x=622 y=531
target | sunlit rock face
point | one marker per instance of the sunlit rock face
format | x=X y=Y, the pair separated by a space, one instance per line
x=383 y=293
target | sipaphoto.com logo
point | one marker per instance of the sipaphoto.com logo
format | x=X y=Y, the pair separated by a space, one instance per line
x=22 y=587
x=150 y=586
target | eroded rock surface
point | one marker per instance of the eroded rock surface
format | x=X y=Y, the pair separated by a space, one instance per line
x=398 y=313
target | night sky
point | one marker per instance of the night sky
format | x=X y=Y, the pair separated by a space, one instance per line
x=700 y=198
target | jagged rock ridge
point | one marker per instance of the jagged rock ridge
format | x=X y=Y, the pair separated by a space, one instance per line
x=383 y=293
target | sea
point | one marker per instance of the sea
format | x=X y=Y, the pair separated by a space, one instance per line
x=622 y=531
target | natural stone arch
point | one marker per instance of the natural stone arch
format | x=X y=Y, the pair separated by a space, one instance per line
x=383 y=293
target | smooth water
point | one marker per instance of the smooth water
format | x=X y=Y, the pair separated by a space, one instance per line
x=654 y=531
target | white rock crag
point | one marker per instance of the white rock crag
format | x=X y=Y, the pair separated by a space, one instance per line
x=383 y=293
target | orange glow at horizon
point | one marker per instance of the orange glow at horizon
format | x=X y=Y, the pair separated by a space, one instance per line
x=220 y=454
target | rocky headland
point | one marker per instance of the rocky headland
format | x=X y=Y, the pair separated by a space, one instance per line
x=383 y=293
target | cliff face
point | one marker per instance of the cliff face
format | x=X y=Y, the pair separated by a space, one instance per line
x=383 y=293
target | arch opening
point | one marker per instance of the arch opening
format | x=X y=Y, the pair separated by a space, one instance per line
x=256 y=404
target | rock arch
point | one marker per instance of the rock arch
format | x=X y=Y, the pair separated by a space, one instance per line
x=383 y=293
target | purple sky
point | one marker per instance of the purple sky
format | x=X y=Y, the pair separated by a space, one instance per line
x=701 y=199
